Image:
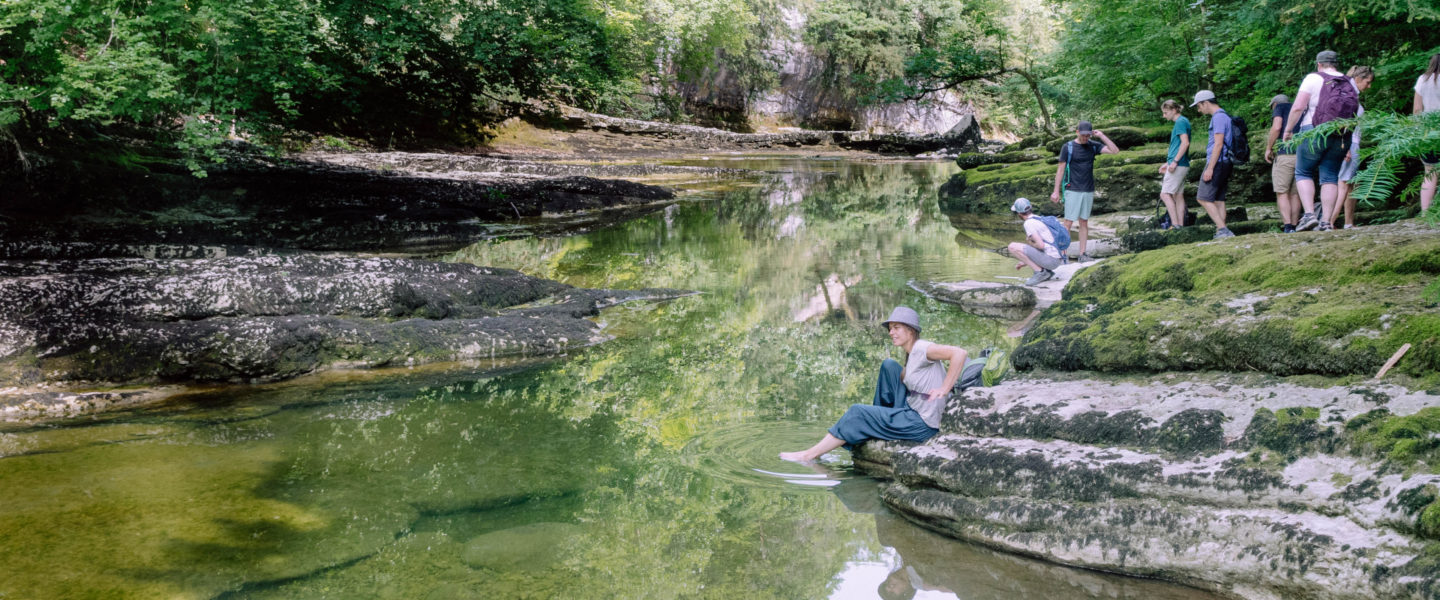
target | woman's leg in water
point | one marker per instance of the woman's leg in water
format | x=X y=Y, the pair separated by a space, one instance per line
x=826 y=444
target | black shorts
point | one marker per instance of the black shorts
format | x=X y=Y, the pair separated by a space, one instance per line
x=1430 y=158
x=1214 y=190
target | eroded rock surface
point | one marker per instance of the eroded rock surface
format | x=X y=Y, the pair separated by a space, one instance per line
x=267 y=318
x=1183 y=481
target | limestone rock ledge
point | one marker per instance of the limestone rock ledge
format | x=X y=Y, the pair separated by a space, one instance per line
x=1184 y=481
x=245 y=319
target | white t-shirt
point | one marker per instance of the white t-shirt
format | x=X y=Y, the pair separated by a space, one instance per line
x=921 y=376
x=1312 y=84
x=1429 y=90
x=1033 y=226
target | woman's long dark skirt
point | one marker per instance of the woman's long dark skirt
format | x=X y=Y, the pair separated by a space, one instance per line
x=888 y=417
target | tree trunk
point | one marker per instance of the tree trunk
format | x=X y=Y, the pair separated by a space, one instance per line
x=1040 y=100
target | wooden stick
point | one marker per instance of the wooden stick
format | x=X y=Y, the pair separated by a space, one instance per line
x=1393 y=359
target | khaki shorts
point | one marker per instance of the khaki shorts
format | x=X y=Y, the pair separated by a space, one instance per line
x=1174 y=181
x=1282 y=173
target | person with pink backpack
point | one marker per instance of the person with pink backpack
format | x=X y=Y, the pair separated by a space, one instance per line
x=1325 y=95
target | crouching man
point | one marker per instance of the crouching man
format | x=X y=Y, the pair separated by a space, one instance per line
x=1038 y=251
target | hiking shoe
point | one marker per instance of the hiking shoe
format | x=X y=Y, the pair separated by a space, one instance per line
x=1288 y=228
x=1040 y=276
x=1223 y=232
x=1083 y=258
x=1349 y=225
x=1307 y=222
x=1324 y=226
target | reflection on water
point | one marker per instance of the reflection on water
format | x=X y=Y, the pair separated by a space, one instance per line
x=643 y=468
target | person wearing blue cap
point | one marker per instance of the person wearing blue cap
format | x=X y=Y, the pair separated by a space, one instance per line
x=909 y=399
x=1039 y=251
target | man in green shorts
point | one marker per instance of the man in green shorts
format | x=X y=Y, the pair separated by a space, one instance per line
x=1076 y=172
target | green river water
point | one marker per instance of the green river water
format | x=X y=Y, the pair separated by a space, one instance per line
x=641 y=468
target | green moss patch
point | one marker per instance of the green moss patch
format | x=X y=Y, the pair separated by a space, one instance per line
x=1403 y=439
x=1290 y=431
x=1330 y=304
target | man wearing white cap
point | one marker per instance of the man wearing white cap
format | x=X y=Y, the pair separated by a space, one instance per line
x=1039 y=251
x=1215 y=179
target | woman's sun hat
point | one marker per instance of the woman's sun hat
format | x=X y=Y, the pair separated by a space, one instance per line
x=903 y=315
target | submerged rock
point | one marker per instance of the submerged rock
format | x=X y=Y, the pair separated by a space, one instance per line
x=1161 y=480
x=533 y=547
x=268 y=318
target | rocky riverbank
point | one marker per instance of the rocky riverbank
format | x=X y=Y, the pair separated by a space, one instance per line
x=1204 y=413
x=111 y=322
x=1252 y=487
x=291 y=204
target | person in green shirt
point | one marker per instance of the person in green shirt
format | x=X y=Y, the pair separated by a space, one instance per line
x=1177 y=164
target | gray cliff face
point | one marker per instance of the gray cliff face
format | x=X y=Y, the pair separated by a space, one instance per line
x=269 y=318
x=806 y=96
x=1169 y=480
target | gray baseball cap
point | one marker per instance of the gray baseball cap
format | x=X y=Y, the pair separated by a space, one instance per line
x=903 y=315
x=1328 y=57
x=1021 y=206
x=1084 y=127
x=1279 y=99
x=1202 y=96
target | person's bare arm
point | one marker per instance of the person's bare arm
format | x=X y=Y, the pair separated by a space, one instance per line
x=1059 y=174
x=1184 y=147
x=956 y=357
x=1302 y=102
x=1213 y=157
x=1270 y=139
x=1110 y=147
x=1419 y=105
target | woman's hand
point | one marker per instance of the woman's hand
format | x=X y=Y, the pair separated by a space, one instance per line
x=936 y=394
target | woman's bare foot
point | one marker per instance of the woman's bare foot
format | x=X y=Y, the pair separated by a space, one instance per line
x=798 y=457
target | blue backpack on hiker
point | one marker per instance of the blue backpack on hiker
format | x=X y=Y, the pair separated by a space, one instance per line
x=1057 y=231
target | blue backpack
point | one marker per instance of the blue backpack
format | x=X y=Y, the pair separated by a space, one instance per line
x=1057 y=231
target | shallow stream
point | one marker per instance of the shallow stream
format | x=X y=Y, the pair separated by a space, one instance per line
x=641 y=468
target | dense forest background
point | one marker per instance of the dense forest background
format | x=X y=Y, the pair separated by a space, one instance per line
x=408 y=71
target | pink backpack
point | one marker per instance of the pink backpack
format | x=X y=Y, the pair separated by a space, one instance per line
x=1338 y=99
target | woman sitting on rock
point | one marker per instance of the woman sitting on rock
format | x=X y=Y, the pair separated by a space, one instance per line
x=908 y=400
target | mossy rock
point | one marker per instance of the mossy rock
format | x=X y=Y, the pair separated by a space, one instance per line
x=1124 y=138
x=1334 y=304
x=970 y=160
x=1128 y=181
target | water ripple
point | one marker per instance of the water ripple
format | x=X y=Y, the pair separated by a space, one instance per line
x=749 y=454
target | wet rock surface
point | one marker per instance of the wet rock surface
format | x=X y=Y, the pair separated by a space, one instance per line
x=292 y=205
x=244 y=319
x=1169 y=479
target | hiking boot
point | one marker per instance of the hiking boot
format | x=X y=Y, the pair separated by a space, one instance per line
x=1223 y=232
x=1288 y=228
x=1307 y=222
x=1084 y=258
x=1039 y=277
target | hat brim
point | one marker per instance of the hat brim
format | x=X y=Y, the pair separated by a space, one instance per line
x=886 y=325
